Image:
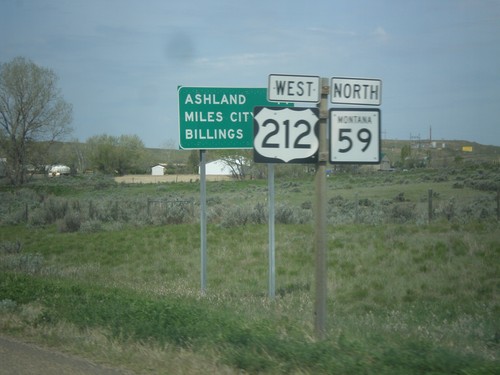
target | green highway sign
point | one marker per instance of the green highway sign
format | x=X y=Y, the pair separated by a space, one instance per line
x=218 y=117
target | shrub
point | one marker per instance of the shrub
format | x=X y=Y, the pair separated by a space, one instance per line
x=337 y=200
x=288 y=215
x=90 y=226
x=403 y=212
x=259 y=214
x=26 y=263
x=307 y=205
x=70 y=223
x=8 y=247
x=172 y=213
x=235 y=216
x=7 y=305
x=400 y=197
x=365 y=202
x=52 y=209
x=285 y=215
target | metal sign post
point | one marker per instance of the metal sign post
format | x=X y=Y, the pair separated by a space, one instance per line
x=203 y=220
x=216 y=118
x=272 y=250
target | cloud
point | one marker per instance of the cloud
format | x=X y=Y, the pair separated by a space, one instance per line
x=181 y=47
x=338 y=32
x=381 y=35
x=243 y=60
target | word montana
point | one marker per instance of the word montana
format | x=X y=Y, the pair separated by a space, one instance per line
x=354 y=119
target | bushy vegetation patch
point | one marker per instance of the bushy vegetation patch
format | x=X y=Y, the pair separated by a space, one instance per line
x=93 y=203
x=405 y=295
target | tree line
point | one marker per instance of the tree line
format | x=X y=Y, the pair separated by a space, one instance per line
x=35 y=118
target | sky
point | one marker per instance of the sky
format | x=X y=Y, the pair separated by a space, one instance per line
x=120 y=62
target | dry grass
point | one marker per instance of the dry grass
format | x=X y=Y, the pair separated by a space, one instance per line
x=149 y=179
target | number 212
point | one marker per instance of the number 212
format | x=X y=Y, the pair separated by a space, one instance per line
x=286 y=123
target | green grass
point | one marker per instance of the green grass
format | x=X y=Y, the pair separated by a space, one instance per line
x=402 y=298
x=421 y=291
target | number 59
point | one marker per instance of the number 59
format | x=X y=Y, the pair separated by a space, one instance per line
x=363 y=135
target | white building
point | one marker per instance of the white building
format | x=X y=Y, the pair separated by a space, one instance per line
x=217 y=168
x=158 y=170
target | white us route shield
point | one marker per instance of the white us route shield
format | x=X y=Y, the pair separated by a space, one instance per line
x=286 y=135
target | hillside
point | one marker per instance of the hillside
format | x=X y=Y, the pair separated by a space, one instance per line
x=443 y=153
x=437 y=154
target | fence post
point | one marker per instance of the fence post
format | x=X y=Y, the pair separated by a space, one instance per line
x=430 y=205
x=356 y=208
x=498 y=204
x=91 y=210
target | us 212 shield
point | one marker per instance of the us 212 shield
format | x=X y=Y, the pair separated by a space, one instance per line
x=286 y=135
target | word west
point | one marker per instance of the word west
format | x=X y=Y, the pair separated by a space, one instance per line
x=286 y=88
x=294 y=88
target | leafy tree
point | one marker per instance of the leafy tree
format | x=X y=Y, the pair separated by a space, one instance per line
x=406 y=157
x=130 y=154
x=33 y=114
x=118 y=155
x=73 y=154
x=193 y=161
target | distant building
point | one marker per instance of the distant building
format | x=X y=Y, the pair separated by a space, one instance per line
x=218 y=168
x=158 y=170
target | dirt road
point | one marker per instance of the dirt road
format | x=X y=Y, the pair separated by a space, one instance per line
x=18 y=358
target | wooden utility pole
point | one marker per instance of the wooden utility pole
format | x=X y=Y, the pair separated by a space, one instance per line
x=320 y=218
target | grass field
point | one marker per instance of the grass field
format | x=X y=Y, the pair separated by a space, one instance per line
x=94 y=267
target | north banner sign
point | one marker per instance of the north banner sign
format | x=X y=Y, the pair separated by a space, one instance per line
x=359 y=91
x=218 y=117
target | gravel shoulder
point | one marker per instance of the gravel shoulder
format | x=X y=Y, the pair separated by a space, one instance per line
x=19 y=358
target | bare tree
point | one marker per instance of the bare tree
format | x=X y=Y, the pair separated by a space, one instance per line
x=33 y=115
x=237 y=160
